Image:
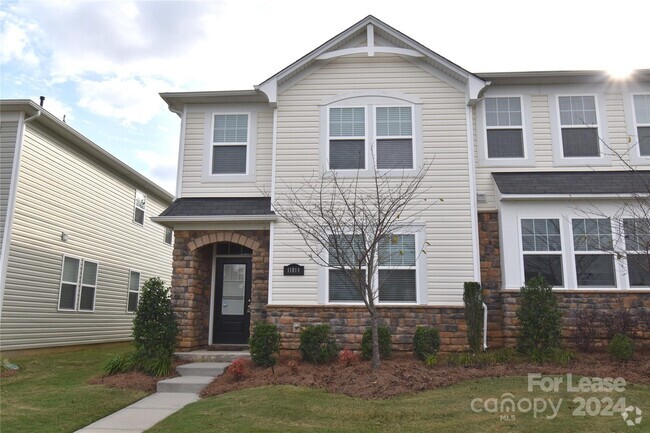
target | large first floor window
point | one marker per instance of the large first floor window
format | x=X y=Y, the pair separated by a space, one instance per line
x=542 y=249
x=592 y=246
x=396 y=276
x=78 y=284
x=637 y=246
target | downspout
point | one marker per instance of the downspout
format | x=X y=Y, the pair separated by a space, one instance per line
x=274 y=142
x=473 y=204
x=11 y=205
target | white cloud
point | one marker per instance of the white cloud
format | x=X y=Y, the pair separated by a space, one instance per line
x=15 y=40
x=58 y=108
x=130 y=100
x=160 y=167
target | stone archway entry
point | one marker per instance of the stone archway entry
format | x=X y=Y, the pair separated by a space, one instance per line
x=198 y=293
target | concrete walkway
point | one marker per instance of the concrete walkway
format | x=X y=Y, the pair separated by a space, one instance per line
x=173 y=394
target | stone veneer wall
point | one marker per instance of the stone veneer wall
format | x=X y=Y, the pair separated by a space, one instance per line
x=348 y=324
x=503 y=304
x=192 y=274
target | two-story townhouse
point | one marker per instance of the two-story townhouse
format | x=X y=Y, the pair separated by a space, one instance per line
x=77 y=241
x=241 y=151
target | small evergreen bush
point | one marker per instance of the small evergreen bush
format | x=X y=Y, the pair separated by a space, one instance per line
x=426 y=341
x=540 y=319
x=155 y=329
x=621 y=347
x=263 y=343
x=385 y=344
x=473 y=299
x=317 y=345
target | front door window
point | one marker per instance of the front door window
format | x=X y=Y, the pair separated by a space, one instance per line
x=234 y=289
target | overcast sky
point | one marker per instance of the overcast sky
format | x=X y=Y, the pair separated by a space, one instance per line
x=103 y=63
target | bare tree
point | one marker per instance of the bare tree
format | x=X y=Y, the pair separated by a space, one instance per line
x=348 y=222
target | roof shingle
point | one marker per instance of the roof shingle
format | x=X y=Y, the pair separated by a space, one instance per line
x=219 y=206
x=575 y=182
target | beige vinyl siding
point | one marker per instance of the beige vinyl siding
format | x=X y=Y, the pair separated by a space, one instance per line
x=193 y=165
x=61 y=189
x=8 y=131
x=616 y=138
x=448 y=223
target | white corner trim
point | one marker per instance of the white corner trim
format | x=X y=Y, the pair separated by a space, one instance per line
x=476 y=260
x=11 y=206
x=181 y=154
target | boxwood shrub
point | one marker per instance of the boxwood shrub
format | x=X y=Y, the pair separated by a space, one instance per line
x=263 y=343
x=385 y=344
x=317 y=344
x=426 y=341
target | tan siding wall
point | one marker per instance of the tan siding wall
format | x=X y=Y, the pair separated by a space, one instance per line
x=63 y=190
x=448 y=223
x=541 y=123
x=194 y=186
x=8 y=132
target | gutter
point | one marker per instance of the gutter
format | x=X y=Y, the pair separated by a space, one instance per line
x=11 y=205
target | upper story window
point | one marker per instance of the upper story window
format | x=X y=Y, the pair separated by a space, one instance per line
x=347 y=138
x=642 y=121
x=364 y=131
x=230 y=143
x=394 y=133
x=579 y=126
x=140 y=204
x=504 y=127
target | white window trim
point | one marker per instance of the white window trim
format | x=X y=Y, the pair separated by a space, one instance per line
x=526 y=127
x=369 y=100
x=76 y=299
x=366 y=146
x=574 y=252
x=421 y=294
x=171 y=241
x=82 y=285
x=251 y=147
x=143 y=209
x=129 y=291
x=631 y=122
x=560 y=253
x=559 y=160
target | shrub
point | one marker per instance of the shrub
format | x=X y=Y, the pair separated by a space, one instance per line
x=540 y=319
x=385 y=344
x=621 y=347
x=263 y=343
x=431 y=361
x=348 y=357
x=585 y=331
x=317 y=345
x=564 y=357
x=426 y=341
x=154 y=334
x=473 y=299
x=237 y=369
x=618 y=322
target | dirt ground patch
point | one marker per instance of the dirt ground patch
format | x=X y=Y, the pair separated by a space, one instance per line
x=8 y=373
x=403 y=375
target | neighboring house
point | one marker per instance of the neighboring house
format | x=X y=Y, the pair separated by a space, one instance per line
x=77 y=241
x=512 y=161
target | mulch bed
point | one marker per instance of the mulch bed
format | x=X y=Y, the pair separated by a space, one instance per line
x=133 y=380
x=8 y=373
x=403 y=375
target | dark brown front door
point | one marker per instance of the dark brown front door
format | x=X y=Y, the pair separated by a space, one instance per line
x=232 y=299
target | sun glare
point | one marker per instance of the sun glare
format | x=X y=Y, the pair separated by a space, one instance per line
x=620 y=73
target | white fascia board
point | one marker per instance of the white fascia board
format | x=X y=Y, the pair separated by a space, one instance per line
x=506 y=197
x=171 y=220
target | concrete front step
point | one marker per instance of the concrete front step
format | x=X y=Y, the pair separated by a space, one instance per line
x=209 y=369
x=212 y=356
x=184 y=384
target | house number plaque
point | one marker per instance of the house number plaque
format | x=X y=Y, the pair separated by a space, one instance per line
x=294 y=269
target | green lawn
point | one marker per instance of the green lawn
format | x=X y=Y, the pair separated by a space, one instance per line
x=50 y=393
x=290 y=409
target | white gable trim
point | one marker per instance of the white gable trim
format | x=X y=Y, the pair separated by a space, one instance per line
x=370 y=51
